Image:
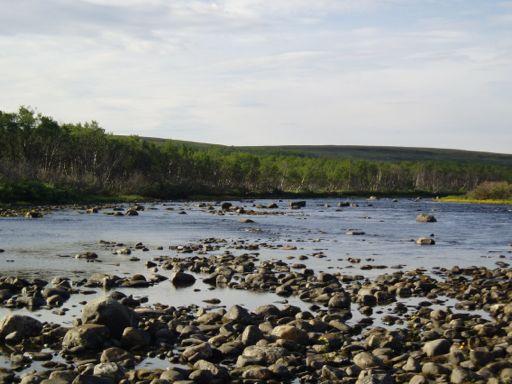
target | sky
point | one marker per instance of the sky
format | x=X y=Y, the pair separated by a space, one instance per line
x=422 y=73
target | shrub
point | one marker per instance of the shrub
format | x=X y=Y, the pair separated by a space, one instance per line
x=493 y=190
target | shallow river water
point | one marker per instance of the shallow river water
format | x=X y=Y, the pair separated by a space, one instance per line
x=465 y=235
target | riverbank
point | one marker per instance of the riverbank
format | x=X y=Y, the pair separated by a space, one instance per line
x=467 y=200
x=36 y=193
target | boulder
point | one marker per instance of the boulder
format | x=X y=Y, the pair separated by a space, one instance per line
x=251 y=335
x=268 y=354
x=109 y=370
x=365 y=360
x=117 y=355
x=33 y=214
x=297 y=204
x=437 y=347
x=425 y=218
x=226 y=206
x=23 y=326
x=85 y=337
x=425 y=241
x=339 y=301
x=134 y=337
x=109 y=312
x=239 y=315
x=290 y=333
x=181 y=279
x=201 y=351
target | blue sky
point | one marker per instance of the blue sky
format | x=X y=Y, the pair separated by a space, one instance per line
x=434 y=73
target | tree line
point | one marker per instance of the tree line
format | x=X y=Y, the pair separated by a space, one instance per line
x=39 y=156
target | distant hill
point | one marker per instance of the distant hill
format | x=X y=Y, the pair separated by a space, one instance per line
x=359 y=152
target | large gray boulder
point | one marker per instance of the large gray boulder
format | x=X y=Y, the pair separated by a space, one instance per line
x=86 y=337
x=24 y=326
x=111 y=313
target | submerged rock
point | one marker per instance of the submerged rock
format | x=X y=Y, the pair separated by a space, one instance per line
x=297 y=204
x=425 y=218
x=33 y=214
x=425 y=241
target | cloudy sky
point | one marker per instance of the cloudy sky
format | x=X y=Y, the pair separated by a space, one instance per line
x=430 y=73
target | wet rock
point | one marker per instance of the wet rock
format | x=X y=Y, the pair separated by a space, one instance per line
x=172 y=375
x=117 y=355
x=365 y=360
x=480 y=356
x=411 y=365
x=434 y=370
x=134 y=337
x=257 y=372
x=374 y=377
x=291 y=333
x=339 y=301
x=231 y=349
x=461 y=375
x=109 y=312
x=331 y=373
x=87 y=256
x=418 y=379
x=425 y=241
x=268 y=354
x=109 y=370
x=31 y=378
x=297 y=204
x=425 y=218
x=19 y=327
x=437 y=347
x=217 y=372
x=62 y=376
x=85 y=337
x=506 y=375
x=33 y=214
x=355 y=232
x=239 y=315
x=123 y=251
x=181 y=279
x=226 y=206
x=93 y=379
x=251 y=335
x=201 y=351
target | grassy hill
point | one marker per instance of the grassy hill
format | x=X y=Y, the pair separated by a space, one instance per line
x=359 y=152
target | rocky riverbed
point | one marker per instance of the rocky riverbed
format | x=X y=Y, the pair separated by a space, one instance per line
x=257 y=292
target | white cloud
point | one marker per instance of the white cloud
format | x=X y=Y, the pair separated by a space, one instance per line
x=259 y=72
